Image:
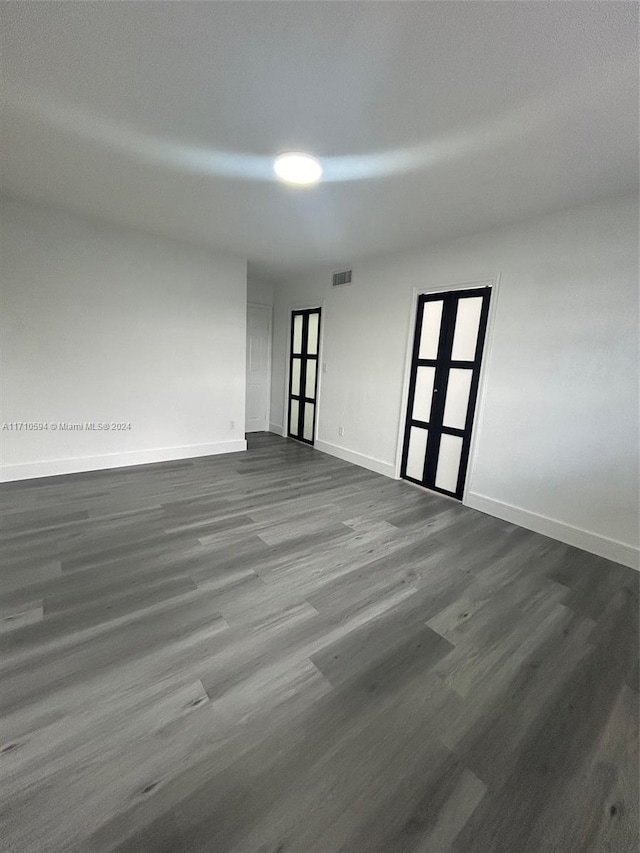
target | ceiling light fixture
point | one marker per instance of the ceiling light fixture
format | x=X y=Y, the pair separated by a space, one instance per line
x=297 y=168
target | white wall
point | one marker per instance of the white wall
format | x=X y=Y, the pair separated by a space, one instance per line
x=102 y=324
x=557 y=446
x=259 y=290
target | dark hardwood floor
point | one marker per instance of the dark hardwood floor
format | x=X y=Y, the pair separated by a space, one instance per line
x=279 y=652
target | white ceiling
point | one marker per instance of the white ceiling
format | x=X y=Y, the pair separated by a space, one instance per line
x=432 y=119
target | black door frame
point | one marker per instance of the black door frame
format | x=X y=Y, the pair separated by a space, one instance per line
x=304 y=357
x=442 y=364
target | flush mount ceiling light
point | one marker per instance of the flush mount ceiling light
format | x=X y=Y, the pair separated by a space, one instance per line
x=297 y=168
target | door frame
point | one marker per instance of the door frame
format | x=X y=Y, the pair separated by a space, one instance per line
x=303 y=306
x=269 y=357
x=492 y=281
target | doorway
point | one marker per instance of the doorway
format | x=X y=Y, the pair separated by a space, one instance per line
x=443 y=388
x=258 y=367
x=303 y=374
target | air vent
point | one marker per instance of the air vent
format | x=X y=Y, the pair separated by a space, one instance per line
x=341 y=278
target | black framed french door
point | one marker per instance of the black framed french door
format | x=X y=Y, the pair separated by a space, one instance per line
x=303 y=374
x=443 y=388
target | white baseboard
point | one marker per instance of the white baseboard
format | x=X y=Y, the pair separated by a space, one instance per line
x=55 y=467
x=611 y=549
x=277 y=428
x=377 y=465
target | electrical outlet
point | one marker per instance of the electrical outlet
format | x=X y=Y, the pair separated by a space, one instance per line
x=340 y=430
x=232 y=424
x=324 y=366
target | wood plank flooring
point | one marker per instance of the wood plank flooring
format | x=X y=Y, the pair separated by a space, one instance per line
x=279 y=652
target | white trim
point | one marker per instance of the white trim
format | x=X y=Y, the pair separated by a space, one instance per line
x=55 y=467
x=278 y=429
x=611 y=549
x=492 y=281
x=404 y=399
x=377 y=465
x=303 y=306
x=269 y=358
x=482 y=381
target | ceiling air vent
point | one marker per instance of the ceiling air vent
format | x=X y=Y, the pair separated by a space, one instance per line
x=341 y=277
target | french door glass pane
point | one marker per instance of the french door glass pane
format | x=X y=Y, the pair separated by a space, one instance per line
x=465 y=336
x=307 y=433
x=457 y=401
x=417 y=449
x=295 y=377
x=312 y=338
x=448 y=462
x=310 y=386
x=430 y=334
x=425 y=377
x=297 y=333
x=293 y=419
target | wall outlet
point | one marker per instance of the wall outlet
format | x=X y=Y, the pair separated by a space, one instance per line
x=232 y=424
x=340 y=430
x=324 y=366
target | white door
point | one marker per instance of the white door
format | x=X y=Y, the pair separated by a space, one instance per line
x=258 y=367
